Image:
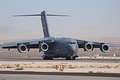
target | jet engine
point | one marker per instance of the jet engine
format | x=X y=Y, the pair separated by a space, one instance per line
x=104 y=48
x=22 y=48
x=88 y=47
x=44 y=47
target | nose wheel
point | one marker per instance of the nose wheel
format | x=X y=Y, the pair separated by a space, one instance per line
x=70 y=58
x=47 y=58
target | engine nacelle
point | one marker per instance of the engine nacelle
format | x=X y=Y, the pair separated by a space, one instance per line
x=22 y=48
x=44 y=47
x=88 y=47
x=104 y=48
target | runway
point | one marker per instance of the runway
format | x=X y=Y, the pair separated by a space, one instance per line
x=108 y=60
x=49 y=77
x=62 y=73
x=53 y=77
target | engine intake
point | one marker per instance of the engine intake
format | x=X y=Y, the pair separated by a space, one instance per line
x=44 y=47
x=22 y=48
x=104 y=48
x=88 y=47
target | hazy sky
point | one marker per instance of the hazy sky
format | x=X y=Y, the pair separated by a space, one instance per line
x=87 y=18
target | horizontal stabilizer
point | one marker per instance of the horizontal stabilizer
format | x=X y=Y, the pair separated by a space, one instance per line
x=43 y=20
x=40 y=15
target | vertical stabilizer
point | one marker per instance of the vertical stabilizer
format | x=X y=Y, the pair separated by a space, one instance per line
x=44 y=24
x=43 y=20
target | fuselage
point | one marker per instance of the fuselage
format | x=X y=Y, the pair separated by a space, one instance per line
x=63 y=47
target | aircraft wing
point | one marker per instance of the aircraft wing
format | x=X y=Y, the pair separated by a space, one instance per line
x=27 y=44
x=89 y=45
x=82 y=42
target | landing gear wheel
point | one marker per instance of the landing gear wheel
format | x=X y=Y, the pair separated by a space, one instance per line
x=48 y=58
x=70 y=58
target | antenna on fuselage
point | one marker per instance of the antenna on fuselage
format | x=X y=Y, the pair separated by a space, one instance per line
x=43 y=20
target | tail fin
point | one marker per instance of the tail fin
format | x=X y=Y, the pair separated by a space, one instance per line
x=43 y=20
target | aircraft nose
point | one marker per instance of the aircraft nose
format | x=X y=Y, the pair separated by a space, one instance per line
x=73 y=49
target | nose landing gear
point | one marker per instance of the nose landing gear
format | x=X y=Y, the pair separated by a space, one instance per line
x=70 y=58
x=45 y=57
x=48 y=58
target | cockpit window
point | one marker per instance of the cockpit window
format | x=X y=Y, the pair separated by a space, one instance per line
x=69 y=42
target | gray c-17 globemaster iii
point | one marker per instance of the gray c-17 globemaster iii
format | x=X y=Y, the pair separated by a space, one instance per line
x=55 y=47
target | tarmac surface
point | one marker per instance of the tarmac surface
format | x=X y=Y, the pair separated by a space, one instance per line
x=108 y=60
x=52 y=77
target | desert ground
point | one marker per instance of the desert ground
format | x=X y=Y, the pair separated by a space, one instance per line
x=60 y=66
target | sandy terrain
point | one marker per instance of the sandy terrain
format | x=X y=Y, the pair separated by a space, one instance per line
x=89 y=67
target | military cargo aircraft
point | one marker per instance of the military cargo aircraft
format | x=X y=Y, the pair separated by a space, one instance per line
x=55 y=47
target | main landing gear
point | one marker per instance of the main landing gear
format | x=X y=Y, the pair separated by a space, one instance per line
x=70 y=58
x=51 y=57
x=48 y=58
